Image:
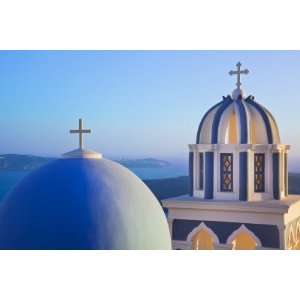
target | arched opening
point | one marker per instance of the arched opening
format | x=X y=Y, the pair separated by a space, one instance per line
x=202 y=241
x=297 y=237
x=203 y=238
x=243 y=239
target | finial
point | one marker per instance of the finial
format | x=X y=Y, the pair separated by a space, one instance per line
x=238 y=72
x=238 y=92
x=80 y=152
x=80 y=131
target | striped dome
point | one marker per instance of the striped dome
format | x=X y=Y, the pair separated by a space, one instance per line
x=241 y=121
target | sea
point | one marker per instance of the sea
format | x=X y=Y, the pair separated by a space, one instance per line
x=8 y=179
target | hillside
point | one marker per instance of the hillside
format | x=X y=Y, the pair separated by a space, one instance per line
x=144 y=163
x=294 y=183
x=172 y=187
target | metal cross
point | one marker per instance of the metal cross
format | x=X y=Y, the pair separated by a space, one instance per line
x=238 y=72
x=80 y=131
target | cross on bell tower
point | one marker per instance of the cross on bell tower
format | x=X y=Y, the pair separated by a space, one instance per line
x=238 y=72
x=80 y=131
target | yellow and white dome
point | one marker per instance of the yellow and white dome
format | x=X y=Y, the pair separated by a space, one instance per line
x=238 y=120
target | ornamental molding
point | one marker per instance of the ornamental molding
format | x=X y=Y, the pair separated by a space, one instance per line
x=260 y=207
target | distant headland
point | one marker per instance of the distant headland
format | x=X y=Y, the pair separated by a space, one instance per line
x=19 y=162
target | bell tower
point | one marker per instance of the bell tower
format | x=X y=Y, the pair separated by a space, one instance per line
x=238 y=154
x=238 y=181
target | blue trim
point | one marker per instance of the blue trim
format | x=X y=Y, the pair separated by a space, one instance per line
x=243 y=176
x=276 y=176
x=286 y=174
x=243 y=122
x=217 y=119
x=191 y=173
x=203 y=120
x=275 y=123
x=265 y=117
x=201 y=171
x=209 y=175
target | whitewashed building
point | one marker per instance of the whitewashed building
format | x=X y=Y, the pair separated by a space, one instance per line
x=238 y=174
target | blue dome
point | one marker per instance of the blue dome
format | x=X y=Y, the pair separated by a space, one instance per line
x=82 y=203
x=238 y=121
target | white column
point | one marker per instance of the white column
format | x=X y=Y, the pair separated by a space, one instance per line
x=281 y=230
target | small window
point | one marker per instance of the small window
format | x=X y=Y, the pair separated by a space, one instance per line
x=259 y=172
x=226 y=172
x=201 y=171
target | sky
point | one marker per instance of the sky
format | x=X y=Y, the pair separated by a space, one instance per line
x=137 y=103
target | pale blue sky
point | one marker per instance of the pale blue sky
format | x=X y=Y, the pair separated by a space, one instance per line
x=138 y=103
